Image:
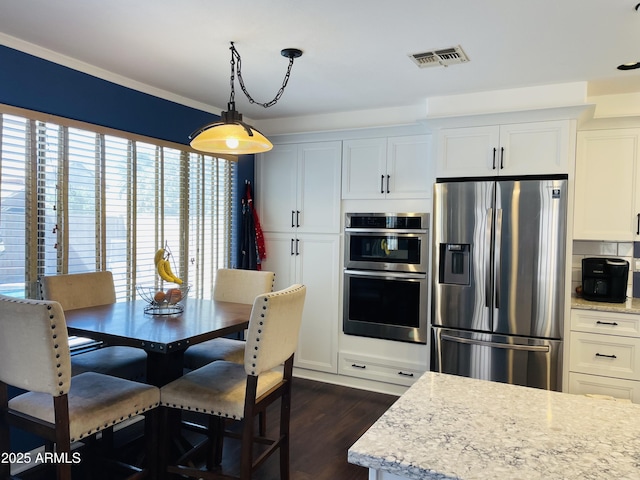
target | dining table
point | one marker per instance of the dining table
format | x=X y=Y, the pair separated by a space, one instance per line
x=164 y=336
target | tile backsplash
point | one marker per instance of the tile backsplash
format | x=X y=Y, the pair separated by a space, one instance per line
x=583 y=248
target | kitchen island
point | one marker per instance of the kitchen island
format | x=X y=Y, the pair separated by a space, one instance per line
x=450 y=427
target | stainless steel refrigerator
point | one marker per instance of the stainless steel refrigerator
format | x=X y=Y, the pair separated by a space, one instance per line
x=499 y=248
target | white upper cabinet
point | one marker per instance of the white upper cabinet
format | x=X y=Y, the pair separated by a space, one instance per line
x=607 y=190
x=538 y=148
x=394 y=167
x=298 y=188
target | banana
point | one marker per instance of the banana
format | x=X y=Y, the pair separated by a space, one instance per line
x=158 y=256
x=167 y=269
x=162 y=271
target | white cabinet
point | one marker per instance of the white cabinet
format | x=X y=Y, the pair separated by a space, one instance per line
x=313 y=260
x=604 y=354
x=393 y=167
x=298 y=188
x=539 y=148
x=607 y=188
x=298 y=200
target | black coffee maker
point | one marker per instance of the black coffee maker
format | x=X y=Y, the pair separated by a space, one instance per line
x=605 y=279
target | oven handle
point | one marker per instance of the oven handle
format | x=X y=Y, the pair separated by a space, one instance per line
x=379 y=273
x=389 y=231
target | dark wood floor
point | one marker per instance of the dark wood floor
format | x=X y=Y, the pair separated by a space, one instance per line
x=325 y=421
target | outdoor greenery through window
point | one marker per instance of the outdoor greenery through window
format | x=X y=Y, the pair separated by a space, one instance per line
x=73 y=200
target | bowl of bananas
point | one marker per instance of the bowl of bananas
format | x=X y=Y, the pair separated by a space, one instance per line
x=162 y=299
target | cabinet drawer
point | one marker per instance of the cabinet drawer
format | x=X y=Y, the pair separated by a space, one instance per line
x=582 y=384
x=378 y=368
x=606 y=355
x=609 y=323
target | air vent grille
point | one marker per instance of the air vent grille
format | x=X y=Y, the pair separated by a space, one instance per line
x=443 y=56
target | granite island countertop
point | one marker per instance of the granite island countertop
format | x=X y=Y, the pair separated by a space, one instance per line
x=451 y=427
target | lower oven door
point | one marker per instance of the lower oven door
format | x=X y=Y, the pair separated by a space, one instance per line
x=531 y=362
x=387 y=305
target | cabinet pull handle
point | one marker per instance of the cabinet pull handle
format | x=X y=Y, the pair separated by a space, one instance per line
x=501 y=158
x=292 y=246
x=405 y=374
x=603 y=355
x=298 y=218
x=292 y=222
x=607 y=323
x=297 y=246
x=494 y=159
x=388 y=177
x=638 y=231
x=355 y=365
x=382 y=186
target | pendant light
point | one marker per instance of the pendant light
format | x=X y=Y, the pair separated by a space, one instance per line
x=230 y=134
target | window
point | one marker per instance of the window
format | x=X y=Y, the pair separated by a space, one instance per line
x=76 y=200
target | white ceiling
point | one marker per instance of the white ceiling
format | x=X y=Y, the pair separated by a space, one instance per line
x=355 y=51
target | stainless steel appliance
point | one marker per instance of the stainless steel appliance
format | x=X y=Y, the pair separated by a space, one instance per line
x=499 y=278
x=605 y=279
x=385 y=276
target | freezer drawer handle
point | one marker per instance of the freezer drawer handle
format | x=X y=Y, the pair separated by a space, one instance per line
x=527 y=348
x=406 y=374
x=615 y=324
x=603 y=355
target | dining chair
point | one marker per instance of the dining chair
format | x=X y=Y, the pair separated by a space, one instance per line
x=34 y=356
x=81 y=290
x=227 y=390
x=231 y=285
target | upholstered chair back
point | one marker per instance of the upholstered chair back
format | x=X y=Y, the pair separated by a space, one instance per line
x=241 y=286
x=34 y=346
x=79 y=290
x=274 y=327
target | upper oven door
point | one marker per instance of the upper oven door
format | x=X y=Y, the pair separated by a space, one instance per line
x=392 y=250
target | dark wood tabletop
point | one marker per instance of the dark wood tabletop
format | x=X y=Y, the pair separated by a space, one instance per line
x=163 y=337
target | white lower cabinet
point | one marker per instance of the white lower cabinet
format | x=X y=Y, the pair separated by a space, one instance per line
x=313 y=260
x=604 y=354
x=378 y=368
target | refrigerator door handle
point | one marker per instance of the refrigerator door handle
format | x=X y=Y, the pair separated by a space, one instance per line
x=506 y=346
x=487 y=270
x=497 y=258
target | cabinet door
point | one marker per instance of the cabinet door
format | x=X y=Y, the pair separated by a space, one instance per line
x=409 y=167
x=281 y=249
x=276 y=189
x=581 y=384
x=318 y=267
x=364 y=168
x=606 y=177
x=467 y=152
x=319 y=170
x=538 y=148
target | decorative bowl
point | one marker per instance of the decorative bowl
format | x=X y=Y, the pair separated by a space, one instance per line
x=163 y=300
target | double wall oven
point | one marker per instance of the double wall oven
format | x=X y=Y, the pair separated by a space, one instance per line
x=385 y=275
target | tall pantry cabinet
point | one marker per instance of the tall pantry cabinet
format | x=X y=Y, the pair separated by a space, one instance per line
x=298 y=200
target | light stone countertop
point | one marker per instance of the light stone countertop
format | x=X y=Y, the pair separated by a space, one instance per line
x=632 y=305
x=450 y=427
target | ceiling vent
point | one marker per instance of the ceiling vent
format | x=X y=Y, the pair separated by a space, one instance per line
x=444 y=57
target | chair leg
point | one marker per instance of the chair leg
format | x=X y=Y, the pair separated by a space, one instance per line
x=246 y=457
x=151 y=433
x=285 y=415
x=63 y=438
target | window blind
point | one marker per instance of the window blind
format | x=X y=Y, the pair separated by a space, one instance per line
x=75 y=200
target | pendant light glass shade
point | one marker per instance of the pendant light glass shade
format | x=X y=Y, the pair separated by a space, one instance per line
x=230 y=138
x=230 y=135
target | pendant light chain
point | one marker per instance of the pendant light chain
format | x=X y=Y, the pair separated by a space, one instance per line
x=236 y=67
